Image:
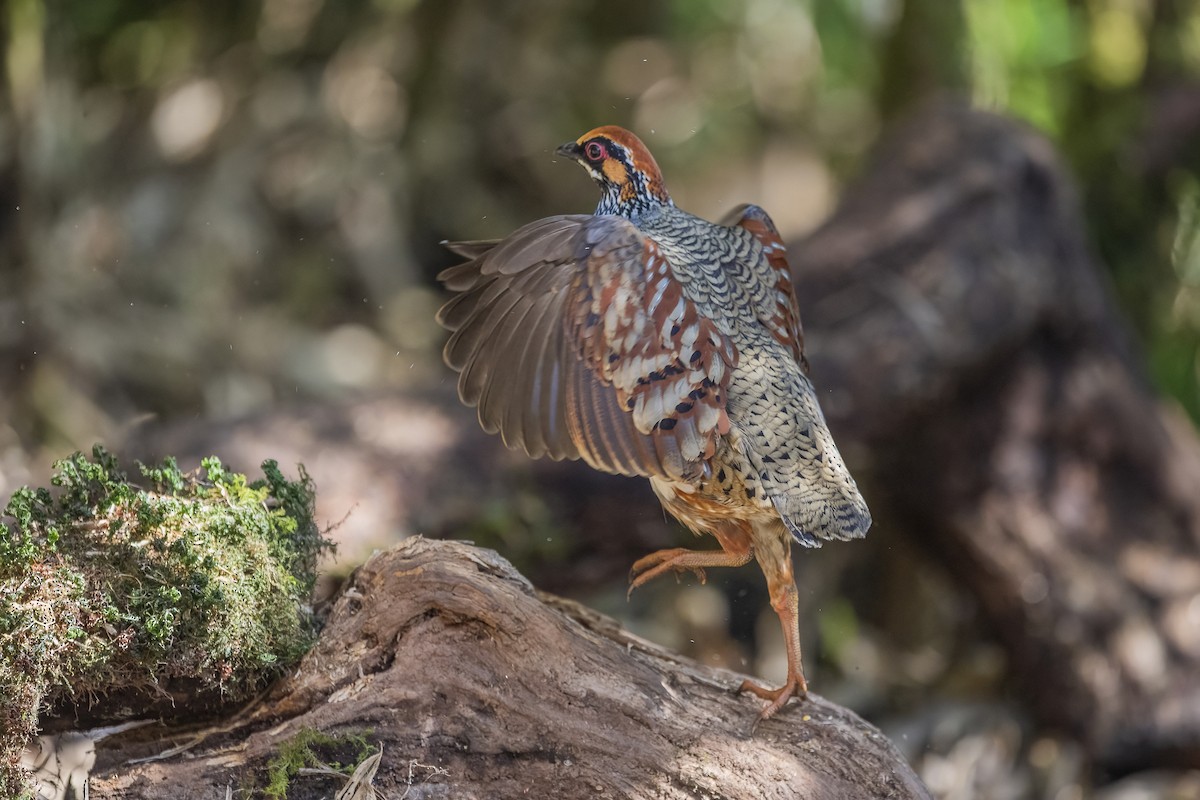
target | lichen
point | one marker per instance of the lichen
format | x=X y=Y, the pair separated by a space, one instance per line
x=108 y=586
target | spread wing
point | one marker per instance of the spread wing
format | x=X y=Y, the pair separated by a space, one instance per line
x=782 y=314
x=574 y=340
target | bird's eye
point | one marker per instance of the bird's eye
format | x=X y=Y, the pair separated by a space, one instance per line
x=594 y=151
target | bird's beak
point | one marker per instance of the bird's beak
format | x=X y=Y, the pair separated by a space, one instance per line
x=570 y=150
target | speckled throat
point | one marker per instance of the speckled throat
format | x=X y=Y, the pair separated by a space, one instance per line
x=634 y=199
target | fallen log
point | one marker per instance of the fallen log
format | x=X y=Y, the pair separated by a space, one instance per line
x=476 y=685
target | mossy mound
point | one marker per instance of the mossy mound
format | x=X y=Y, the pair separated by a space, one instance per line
x=200 y=580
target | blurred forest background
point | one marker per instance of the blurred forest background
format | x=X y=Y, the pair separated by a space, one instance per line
x=210 y=208
x=216 y=209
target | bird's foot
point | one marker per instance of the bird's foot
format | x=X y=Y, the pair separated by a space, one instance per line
x=795 y=687
x=650 y=567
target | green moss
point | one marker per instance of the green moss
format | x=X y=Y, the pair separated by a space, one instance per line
x=312 y=748
x=107 y=586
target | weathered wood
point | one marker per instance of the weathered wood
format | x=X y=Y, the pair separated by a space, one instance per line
x=454 y=661
x=974 y=355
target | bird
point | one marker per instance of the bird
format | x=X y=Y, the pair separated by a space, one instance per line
x=650 y=342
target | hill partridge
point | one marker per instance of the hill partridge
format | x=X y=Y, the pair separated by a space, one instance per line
x=649 y=342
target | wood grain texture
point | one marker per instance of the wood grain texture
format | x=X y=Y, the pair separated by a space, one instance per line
x=453 y=660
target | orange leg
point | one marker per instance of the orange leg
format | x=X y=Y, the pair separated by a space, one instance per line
x=681 y=560
x=774 y=557
x=735 y=551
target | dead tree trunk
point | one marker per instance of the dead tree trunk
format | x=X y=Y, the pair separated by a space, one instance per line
x=979 y=366
x=478 y=686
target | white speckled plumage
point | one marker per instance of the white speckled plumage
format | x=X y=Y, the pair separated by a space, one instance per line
x=650 y=342
x=785 y=456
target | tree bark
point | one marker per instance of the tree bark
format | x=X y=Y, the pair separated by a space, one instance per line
x=968 y=337
x=478 y=686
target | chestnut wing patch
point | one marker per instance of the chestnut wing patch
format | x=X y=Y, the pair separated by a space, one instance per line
x=574 y=339
x=782 y=314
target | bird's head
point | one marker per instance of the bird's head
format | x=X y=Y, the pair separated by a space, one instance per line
x=626 y=172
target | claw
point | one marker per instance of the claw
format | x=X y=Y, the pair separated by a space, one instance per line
x=795 y=687
x=651 y=566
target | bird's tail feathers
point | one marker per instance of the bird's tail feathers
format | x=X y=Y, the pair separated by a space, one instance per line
x=811 y=520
